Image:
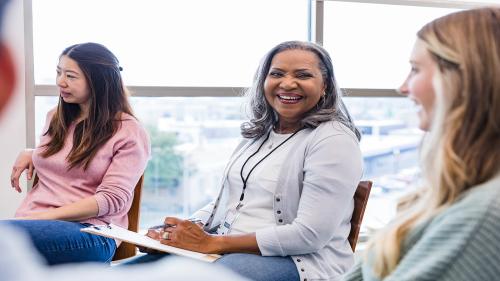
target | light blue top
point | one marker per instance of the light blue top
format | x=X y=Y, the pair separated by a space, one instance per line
x=461 y=243
x=313 y=202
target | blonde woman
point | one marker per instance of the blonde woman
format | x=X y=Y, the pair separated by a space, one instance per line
x=451 y=230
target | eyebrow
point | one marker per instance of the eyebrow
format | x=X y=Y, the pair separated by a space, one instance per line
x=296 y=70
x=68 y=70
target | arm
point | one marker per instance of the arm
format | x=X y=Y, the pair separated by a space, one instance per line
x=130 y=156
x=80 y=210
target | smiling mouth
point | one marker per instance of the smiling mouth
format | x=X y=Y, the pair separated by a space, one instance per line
x=289 y=99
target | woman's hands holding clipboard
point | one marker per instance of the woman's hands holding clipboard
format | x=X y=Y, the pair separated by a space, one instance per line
x=184 y=234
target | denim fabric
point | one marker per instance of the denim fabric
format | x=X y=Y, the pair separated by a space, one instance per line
x=62 y=242
x=253 y=267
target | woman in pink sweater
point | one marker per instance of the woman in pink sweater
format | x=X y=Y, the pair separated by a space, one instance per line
x=91 y=155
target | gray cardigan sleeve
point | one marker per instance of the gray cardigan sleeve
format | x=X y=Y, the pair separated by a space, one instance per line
x=332 y=170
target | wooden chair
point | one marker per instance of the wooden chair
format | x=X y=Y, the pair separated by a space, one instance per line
x=126 y=250
x=360 y=199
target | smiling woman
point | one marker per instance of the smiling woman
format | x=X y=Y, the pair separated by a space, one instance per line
x=299 y=160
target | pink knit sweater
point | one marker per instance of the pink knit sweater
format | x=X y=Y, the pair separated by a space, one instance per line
x=110 y=178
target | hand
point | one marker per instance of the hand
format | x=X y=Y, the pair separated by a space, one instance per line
x=23 y=162
x=187 y=235
x=155 y=234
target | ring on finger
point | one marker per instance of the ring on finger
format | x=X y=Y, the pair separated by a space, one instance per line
x=165 y=235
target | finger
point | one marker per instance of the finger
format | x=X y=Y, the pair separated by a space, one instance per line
x=12 y=176
x=166 y=235
x=15 y=179
x=172 y=220
x=153 y=233
x=30 y=171
x=168 y=242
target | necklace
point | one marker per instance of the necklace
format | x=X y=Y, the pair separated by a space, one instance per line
x=245 y=179
x=275 y=138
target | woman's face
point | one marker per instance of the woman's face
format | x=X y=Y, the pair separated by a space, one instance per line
x=293 y=85
x=418 y=85
x=73 y=86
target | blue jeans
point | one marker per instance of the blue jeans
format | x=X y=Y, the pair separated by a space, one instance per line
x=62 y=242
x=253 y=267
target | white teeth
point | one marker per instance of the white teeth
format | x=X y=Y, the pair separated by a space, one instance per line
x=289 y=98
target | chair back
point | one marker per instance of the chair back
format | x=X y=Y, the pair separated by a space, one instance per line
x=127 y=250
x=360 y=199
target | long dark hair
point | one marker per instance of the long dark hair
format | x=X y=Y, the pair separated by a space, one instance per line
x=330 y=107
x=108 y=99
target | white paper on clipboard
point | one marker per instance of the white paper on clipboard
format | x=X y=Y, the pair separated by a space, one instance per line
x=119 y=233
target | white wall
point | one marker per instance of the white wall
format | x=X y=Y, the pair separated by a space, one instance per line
x=13 y=119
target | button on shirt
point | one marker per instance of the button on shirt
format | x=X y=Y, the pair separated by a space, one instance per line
x=257 y=211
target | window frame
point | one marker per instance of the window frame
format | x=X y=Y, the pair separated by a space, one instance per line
x=315 y=26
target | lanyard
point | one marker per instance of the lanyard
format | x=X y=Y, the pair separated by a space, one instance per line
x=245 y=179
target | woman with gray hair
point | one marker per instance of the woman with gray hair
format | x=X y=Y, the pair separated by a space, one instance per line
x=286 y=199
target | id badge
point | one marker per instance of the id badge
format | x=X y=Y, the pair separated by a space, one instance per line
x=225 y=226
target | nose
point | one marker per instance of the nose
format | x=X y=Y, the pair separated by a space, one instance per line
x=288 y=83
x=403 y=89
x=60 y=81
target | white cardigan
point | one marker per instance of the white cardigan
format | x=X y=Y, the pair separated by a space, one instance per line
x=313 y=202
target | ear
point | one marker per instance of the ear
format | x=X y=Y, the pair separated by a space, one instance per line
x=7 y=76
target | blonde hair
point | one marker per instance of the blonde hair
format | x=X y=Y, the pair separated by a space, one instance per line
x=461 y=149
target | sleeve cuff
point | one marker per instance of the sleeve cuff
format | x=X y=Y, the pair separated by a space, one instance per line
x=102 y=205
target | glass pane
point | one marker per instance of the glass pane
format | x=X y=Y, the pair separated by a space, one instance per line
x=389 y=145
x=192 y=139
x=370 y=44
x=169 y=43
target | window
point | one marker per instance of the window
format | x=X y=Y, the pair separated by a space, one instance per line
x=188 y=61
x=374 y=51
x=169 y=43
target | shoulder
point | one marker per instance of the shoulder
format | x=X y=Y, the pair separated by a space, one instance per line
x=130 y=124
x=131 y=131
x=332 y=132
x=478 y=200
x=50 y=114
x=476 y=213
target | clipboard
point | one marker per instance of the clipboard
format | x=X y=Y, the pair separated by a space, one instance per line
x=119 y=233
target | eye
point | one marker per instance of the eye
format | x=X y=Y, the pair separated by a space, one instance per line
x=275 y=74
x=70 y=76
x=58 y=72
x=304 y=75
